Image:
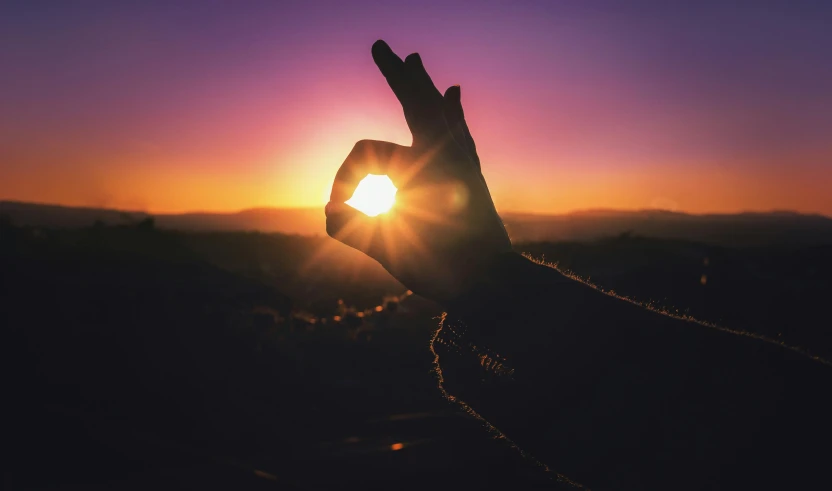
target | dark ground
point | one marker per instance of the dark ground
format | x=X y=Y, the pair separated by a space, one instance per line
x=137 y=358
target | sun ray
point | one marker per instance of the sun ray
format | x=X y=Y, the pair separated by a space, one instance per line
x=329 y=247
x=424 y=215
x=409 y=174
x=406 y=232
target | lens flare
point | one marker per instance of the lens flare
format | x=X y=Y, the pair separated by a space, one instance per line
x=374 y=195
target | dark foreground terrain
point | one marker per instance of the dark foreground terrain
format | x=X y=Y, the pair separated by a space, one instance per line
x=137 y=358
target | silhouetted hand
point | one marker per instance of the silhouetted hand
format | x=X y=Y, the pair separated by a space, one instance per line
x=443 y=228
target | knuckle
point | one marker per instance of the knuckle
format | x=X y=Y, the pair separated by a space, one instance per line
x=362 y=146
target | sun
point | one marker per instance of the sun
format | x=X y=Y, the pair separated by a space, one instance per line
x=374 y=195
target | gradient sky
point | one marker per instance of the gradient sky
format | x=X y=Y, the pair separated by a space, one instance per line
x=224 y=105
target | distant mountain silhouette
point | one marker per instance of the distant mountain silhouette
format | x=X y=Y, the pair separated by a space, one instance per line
x=741 y=229
x=738 y=229
x=302 y=221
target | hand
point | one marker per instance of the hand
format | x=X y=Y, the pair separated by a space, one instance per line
x=444 y=228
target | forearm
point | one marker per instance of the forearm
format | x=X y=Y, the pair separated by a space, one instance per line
x=605 y=390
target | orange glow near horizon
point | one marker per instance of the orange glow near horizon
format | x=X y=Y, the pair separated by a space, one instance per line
x=298 y=172
x=555 y=192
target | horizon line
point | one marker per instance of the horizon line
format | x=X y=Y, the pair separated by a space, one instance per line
x=508 y=212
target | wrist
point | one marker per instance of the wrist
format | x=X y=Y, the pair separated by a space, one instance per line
x=498 y=285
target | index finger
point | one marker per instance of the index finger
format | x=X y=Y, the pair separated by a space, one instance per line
x=392 y=67
x=410 y=82
x=367 y=157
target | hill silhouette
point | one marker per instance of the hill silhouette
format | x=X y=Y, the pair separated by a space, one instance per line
x=301 y=221
x=738 y=229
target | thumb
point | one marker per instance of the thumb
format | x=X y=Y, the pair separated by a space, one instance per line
x=355 y=229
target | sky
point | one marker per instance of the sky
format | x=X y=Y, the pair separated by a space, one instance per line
x=226 y=105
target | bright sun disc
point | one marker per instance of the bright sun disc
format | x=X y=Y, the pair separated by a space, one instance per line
x=374 y=195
